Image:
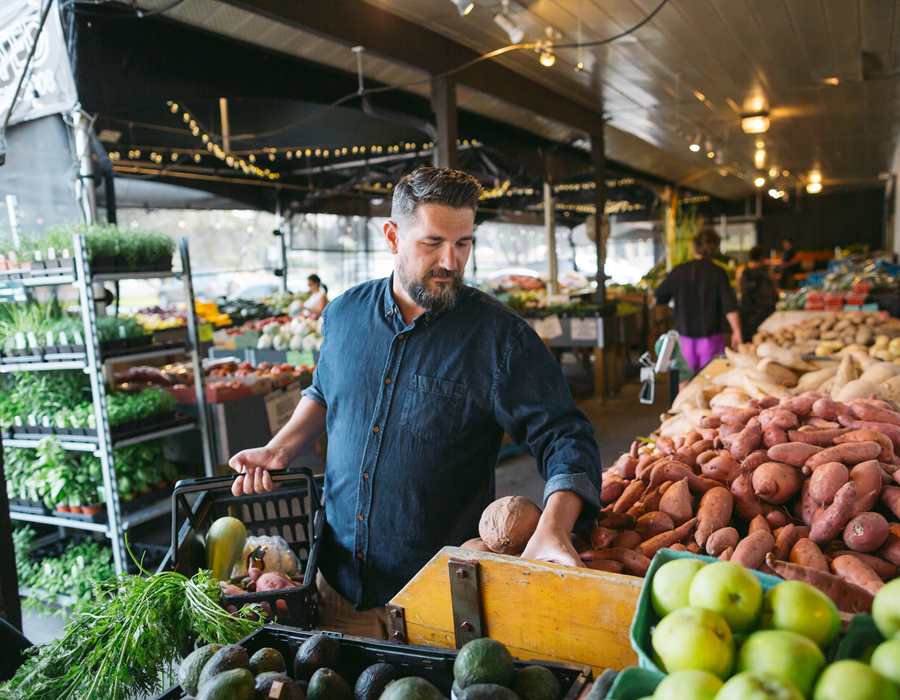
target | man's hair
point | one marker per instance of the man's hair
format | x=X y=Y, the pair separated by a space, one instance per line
x=452 y=188
x=757 y=253
x=706 y=242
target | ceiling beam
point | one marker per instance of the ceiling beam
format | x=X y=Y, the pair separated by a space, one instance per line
x=357 y=23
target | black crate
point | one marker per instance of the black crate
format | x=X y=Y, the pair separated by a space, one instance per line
x=292 y=511
x=434 y=664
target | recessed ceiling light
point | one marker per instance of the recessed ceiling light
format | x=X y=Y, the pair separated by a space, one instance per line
x=831 y=81
x=815 y=176
x=694 y=147
x=814 y=187
x=760 y=181
x=755 y=123
x=711 y=154
x=760 y=144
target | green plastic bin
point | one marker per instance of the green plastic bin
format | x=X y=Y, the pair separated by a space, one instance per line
x=645 y=617
x=635 y=683
x=860 y=640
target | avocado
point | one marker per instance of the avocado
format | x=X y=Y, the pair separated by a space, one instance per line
x=319 y=651
x=225 y=659
x=234 y=684
x=536 y=683
x=303 y=685
x=267 y=659
x=328 y=685
x=287 y=691
x=189 y=671
x=483 y=661
x=487 y=691
x=455 y=690
x=411 y=689
x=372 y=682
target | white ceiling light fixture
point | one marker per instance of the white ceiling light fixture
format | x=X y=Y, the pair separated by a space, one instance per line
x=759 y=159
x=464 y=7
x=506 y=24
x=776 y=194
x=759 y=181
x=815 y=177
x=695 y=146
x=814 y=187
x=755 y=123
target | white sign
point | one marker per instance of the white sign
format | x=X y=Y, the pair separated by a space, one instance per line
x=584 y=329
x=549 y=327
x=280 y=406
x=49 y=87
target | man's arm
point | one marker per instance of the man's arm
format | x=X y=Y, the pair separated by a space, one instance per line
x=305 y=427
x=734 y=320
x=551 y=541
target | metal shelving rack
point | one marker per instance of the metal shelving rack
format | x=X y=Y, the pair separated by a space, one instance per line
x=94 y=364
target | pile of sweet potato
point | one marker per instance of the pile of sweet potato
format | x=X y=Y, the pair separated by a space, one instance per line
x=805 y=479
x=844 y=327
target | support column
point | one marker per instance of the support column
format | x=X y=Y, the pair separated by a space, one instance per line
x=550 y=225
x=84 y=184
x=598 y=156
x=670 y=205
x=443 y=104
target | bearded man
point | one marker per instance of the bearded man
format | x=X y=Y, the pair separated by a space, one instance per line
x=419 y=378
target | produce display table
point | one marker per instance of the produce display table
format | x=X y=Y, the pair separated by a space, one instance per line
x=780 y=319
x=538 y=610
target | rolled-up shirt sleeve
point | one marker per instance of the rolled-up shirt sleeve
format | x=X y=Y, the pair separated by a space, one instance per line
x=532 y=403
x=316 y=390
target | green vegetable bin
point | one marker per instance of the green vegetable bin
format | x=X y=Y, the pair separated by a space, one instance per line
x=635 y=683
x=645 y=617
x=860 y=640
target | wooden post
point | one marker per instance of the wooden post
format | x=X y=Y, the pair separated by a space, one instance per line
x=443 y=104
x=550 y=225
x=670 y=204
x=598 y=155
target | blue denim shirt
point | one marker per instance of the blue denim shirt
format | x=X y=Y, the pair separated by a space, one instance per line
x=416 y=414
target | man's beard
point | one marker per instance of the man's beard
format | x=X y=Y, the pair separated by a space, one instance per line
x=443 y=298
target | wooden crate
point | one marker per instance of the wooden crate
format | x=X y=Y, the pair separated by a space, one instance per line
x=538 y=610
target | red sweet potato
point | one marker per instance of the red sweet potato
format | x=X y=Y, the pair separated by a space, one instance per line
x=628 y=539
x=821 y=424
x=876 y=414
x=826 y=480
x=820 y=438
x=630 y=496
x=727 y=554
x=836 y=516
x=739 y=416
x=798 y=405
x=774 y=482
x=890 y=496
x=805 y=507
x=793 y=453
x=849 y=453
x=776 y=516
x=721 y=540
x=866 y=532
x=754 y=460
x=751 y=551
x=508 y=523
x=625 y=466
x=653 y=524
x=710 y=422
x=601 y=537
x=867 y=477
x=609 y=566
x=746 y=442
x=854 y=571
x=677 y=503
x=888 y=429
x=666 y=539
x=707 y=456
x=713 y=514
x=786 y=538
x=675 y=471
x=887 y=447
x=677 y=547
x=635 y=449
x=846 y=596
x=694 y=548
x=883 y=568
x=759 y=523
x=611 y=488
x=806 y=553
x=665 y=445
x=476 y=545
x=890 y=550
x=779 y=418
x=746 y=503
x=825 y=409
x=636 y=564
x=773 y=435
x=722 y=469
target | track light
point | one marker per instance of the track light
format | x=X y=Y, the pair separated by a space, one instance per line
x=464 y=7
x=695 y=147
x=505 y=23
x=547 y=58
x=814 y=187
x=755 y=123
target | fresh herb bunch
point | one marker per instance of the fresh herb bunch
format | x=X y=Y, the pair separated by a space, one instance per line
x=38 y=319
x=144 y=404
x=46 y=393
x=124 y=642
x=114 y=327
x=135 y=246
x=23 y=544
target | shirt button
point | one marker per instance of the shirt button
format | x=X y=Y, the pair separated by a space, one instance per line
x=375 y=429
x=361 y=518
x=387 y=381
x=365 y=475
x=400 y=337
x=359 y=555
x=389 y=313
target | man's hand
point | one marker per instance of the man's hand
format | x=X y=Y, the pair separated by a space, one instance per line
x=550 y=544
x=736 y=342
x=254 y=467
x=552 y=540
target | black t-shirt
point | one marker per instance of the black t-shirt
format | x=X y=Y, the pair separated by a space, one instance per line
x=702 y=294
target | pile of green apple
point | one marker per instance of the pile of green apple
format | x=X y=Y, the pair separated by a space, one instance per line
x=721 y=638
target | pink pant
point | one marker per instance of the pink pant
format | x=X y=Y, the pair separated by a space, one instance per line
x=699 y=351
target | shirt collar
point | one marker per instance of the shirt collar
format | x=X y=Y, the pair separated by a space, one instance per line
x=390 y=306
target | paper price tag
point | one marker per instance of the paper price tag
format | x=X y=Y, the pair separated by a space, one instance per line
x=78 y=338
x=32 y=340
x=50 y=338
x=20 y=341
x=205 y=331
x=80 y=561
x=280 y=407
x=549 y=327
x=584 y=329
x=275 y=689
x=47 y=569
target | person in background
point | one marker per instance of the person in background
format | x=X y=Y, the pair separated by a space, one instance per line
x=318 y=296
x=702 y=295
x=789 y=265
x=756 y=291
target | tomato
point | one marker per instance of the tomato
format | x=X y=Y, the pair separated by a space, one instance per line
x=245 y=365
x=242 y=373
x=276 y=370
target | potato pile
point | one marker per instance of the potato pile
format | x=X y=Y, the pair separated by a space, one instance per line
x=829 y=334
x=807 y=479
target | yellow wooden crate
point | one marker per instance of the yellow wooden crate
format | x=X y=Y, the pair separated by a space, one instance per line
x=538 y=610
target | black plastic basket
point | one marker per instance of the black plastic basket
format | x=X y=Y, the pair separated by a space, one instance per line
x=434 y=664
x=292 y=511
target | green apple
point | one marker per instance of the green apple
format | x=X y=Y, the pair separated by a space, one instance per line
x=688 y=685
x=786 y=654
x=694 y=638
x=886 y=660
x=671 y=584
x=886 y=609
x=755 y=685
x=794 y=606
x=731 y=590
x=853 y=680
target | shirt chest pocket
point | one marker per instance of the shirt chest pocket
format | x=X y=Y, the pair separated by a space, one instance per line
x=434 y=407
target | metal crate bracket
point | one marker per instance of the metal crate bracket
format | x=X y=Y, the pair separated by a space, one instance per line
x=396 y=623
x=465 y=596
